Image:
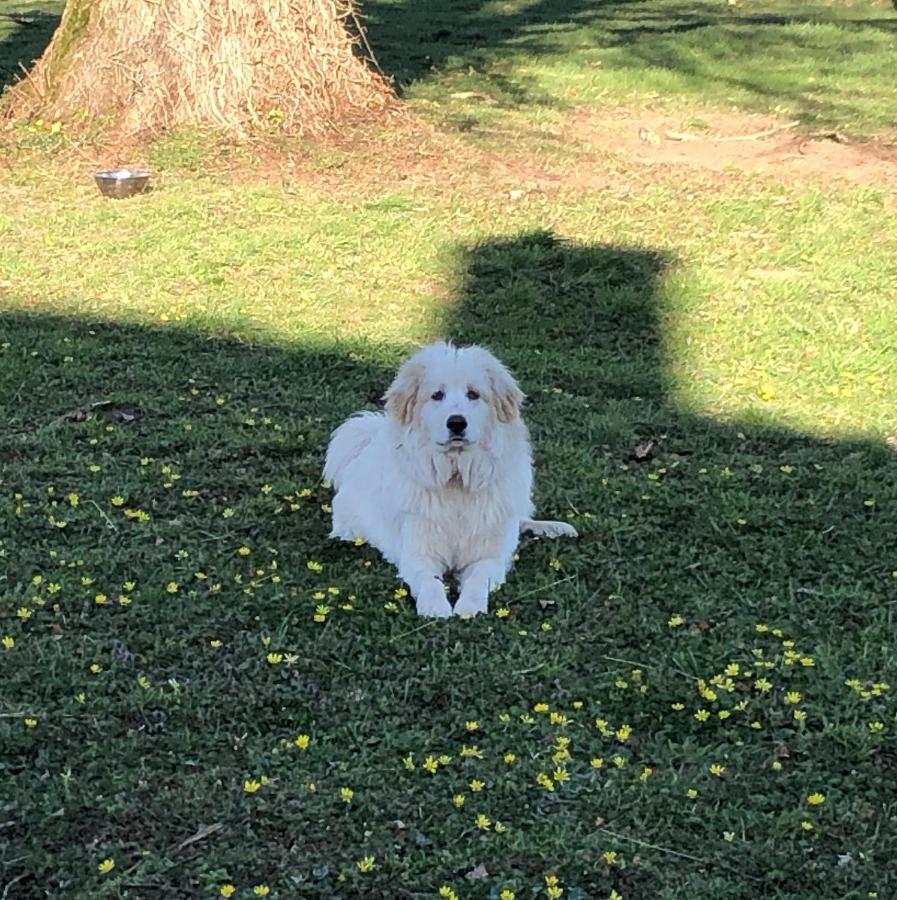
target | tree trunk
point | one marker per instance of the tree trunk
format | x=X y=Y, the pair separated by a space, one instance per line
x=150 y=65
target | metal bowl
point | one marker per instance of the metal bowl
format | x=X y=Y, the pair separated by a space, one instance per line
x=121 y=183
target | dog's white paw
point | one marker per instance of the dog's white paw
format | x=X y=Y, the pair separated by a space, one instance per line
x=432 y=602
x=547 y=529
x=471 y=604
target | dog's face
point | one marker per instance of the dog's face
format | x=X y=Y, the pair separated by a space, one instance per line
x=453 y=395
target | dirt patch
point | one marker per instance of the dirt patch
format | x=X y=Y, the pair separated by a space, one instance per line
x=742 y=142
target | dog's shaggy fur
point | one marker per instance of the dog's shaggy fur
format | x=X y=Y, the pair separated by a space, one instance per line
x=442 y=481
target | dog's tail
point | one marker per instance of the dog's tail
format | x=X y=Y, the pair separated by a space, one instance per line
x=347 y=442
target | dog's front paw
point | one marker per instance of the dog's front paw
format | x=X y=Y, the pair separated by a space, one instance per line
x=471 y=603
x=432 y=602
x=562 y=529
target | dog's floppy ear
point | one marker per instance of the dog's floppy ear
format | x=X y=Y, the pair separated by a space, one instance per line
x=402 y=395
x=507 y=397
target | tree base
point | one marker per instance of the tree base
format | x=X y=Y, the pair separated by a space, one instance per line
x=234 y=65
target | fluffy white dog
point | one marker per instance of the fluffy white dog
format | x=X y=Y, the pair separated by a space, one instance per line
x=442 y=481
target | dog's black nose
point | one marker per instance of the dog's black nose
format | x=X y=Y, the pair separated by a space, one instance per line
x=456 y=425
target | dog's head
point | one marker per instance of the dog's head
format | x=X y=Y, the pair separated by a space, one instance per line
x=454 y=395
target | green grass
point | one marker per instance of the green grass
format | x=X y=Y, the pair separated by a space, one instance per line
x=827 y=64
x=170 y=370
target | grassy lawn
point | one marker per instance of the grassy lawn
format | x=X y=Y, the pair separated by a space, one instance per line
x=694 y=700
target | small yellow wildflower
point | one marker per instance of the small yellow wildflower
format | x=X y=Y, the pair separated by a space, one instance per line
x=483 y=822
x=816 y=799
x=476 y=785
x=717 y=769
x=511 y=757
x=261 y=890
x=226 y=890
x=250 y=785
x=691 y=793
x=106 y=866
x=365 y=864
x=346 y=794
x=458 y=800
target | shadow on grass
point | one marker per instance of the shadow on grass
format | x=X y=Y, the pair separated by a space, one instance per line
x=150 y=456
x=23 y=37
x=709 y=44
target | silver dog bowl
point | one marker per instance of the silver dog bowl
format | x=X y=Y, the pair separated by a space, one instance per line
x=121 y=183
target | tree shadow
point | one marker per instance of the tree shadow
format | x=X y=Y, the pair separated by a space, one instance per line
x=23 y=38
x=150 y=455
x=415 y=42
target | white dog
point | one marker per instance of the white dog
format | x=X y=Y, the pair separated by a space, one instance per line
x=442 y=481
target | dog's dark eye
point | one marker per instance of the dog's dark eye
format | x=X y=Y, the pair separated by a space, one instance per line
x=473 y=395
x=437 y=396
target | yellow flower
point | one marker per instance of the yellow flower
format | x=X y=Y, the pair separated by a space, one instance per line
x=31 y=723
x=365 y=864
x=483 y=822
x=226 y=890
x=447 y=893
x=702 y=715
x=143 y=682
x=250 y=785
x=476 y=785
x=647 y=772
x=507 y=894
x=816 y=799
x=474 y=751
x=717 y=769
x=458 y=800
x=799 y=715
x=314 y=566
x=691 y=793
x=776 y=765
x=107 y=865
x=540 y=708
x=807 y=826
x=511 y=757
x=675 y=621
x=8 y=642
x=444 y=760
x=261 y=890
x=597 y=762
x=172 y=587
x=623 y=733
x=560 y=775
x=875 y=727
x=274 y=658
x=96 y=668
x=609 y=856
x=545 y=781
x=346 y=794
x=471 y=726
x=502 y=612
x=431 y=765
x=793 y=697
x=729 y=836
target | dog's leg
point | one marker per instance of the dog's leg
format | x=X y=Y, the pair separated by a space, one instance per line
x=424 y=577
x=545 y=528
x=477 y=581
